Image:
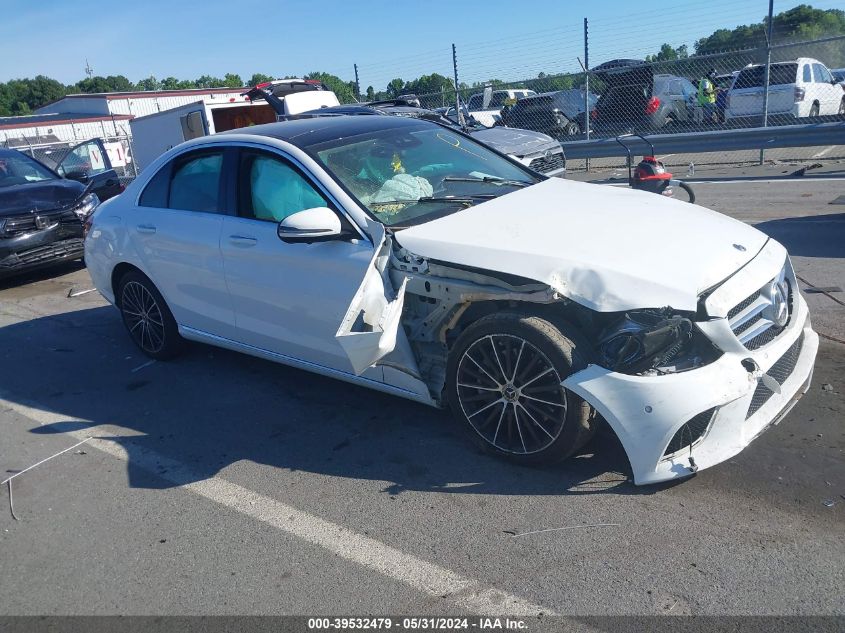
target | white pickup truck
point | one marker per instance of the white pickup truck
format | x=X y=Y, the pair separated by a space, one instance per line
x=154 y=134
x=486 y=106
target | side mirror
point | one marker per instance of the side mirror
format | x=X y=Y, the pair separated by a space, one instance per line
x=79 y=176
x=310 y=225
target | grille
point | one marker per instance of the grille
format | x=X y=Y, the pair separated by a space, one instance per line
x=26 y=223
x=780 y=371
x=744 y=304
x=690 y=432
x=750 y=320
x=544 y=165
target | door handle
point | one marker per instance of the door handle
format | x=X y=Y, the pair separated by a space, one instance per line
x=145 y=228
x=243 y=241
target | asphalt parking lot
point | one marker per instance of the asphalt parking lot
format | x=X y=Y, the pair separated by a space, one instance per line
x=224 y=484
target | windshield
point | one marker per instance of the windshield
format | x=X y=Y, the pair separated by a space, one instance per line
x=20 y=169
x=410 y=175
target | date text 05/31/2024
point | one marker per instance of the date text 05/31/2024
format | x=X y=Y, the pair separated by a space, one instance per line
x=416 y=623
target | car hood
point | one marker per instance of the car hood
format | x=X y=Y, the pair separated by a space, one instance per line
x=39 y=196
x=515 y=141
x=608 y=248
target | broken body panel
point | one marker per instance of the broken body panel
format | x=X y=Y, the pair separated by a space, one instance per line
x=567 y=255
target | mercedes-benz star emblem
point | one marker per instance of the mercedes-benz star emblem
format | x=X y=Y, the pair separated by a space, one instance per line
x=780 y=302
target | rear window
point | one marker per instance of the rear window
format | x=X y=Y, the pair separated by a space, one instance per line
x=573 y=101
x=755 y=77
x=534 y=104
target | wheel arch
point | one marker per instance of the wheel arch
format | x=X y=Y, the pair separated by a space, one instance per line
x=117 y=273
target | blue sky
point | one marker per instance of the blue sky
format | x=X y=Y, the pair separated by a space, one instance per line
x=508 y=40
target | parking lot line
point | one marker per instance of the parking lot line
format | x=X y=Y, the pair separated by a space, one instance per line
x=429 y=578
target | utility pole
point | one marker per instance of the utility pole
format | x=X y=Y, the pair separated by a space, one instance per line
x=88 y=70
x=586 y=89
x=768 y=68
x=460 y=114
x=357 y=84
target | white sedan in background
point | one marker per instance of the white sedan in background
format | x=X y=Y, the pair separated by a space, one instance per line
x=402 y=255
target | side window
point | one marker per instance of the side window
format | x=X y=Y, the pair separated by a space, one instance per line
x=155 y=193
x=270 y=189
x=84 y=159
x=195 y=183
x=499 y=99
x=808 y=77
x=824 y=75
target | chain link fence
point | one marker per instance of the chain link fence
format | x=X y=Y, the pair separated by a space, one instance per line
x=51 y=151
x=696 y=93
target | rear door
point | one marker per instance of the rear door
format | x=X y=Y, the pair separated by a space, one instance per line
x=89 y=164
x=175 y=231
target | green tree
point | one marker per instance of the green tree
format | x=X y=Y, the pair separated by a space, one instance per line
x=795 y=25
x=171 y=83
x=395 y=87
x=231 y=80
x=150 y=83
x=371 y=94
x=343 y=89
x=112 y=83
x=258 y=78
x=207 y=81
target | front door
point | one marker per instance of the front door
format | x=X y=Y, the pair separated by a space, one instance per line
x=89 y=164
x=289 y=298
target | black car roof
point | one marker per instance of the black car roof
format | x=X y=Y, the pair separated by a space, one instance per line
x=315 y=130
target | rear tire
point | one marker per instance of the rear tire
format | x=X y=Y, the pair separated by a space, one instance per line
x=503 y=384
x=814 y=110
x=572 y=129
x=842 y=107
x=147 y=318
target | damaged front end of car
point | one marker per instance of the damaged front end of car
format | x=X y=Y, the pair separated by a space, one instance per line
x=677 y=388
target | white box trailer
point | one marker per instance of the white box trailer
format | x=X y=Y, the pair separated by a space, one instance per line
x=154 y=134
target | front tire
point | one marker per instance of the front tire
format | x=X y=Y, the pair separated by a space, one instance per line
x=503 y=384
x=147 y=318
x=814 y=110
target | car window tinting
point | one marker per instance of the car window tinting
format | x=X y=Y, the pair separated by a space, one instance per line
x=195 y=184
x=271 y=189
x=807 y=74
x=155 y=193
x=755 y=77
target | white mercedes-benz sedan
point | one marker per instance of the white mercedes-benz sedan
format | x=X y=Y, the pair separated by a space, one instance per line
x=406 y=257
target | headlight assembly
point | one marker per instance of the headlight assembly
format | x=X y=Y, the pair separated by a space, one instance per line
x=86 y=206
x=654 y=341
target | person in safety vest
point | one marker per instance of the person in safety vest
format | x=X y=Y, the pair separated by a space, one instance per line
x=707 y=95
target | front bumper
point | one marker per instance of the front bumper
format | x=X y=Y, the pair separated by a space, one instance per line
x=721 y=407
x=40 y=254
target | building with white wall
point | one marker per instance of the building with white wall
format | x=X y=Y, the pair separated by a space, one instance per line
x=84 y=116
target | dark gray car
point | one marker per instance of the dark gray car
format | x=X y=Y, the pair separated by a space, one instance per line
x=636 y=99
